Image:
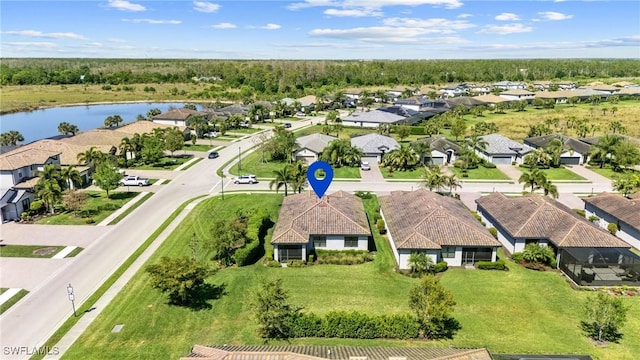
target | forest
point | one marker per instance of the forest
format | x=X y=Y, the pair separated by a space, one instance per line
x=297 y=76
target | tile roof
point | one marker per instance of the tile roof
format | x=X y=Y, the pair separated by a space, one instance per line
x=315 y=142
x=517 y=92
x=96 y=137
x=374 y=116
x=177 y=114
x=625 y=209
x=498 y=144
x=441 y=144
x=540 y=217
x=303 y=215
x=374 y=143
x=490 y=99
x=573 y=144
x=144 y=127
x=423 y=219
x=301 y=352
x=25 y=156
x=308 y=100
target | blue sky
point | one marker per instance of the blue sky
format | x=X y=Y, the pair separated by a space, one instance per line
x=321 y=29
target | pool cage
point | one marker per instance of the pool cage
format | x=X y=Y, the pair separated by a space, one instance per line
x=601 y=266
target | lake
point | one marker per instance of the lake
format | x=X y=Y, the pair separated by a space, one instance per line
x=40 y=124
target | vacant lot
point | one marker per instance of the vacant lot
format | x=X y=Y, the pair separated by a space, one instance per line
x=507 y=311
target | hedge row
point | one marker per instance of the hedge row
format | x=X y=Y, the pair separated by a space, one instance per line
x=252 y=251
x=488 y=265
x=343 y=257
x=355 y=325
x=417 y=130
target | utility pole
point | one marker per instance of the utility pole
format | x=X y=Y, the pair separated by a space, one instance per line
x=239 y=159
x=222 y=185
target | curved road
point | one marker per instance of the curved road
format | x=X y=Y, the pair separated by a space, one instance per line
x=35 y=318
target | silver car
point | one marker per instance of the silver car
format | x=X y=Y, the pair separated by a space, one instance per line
x=246 y=179
x=365 y=166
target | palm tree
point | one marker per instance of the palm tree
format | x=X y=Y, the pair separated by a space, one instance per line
x=90 y=157
x=401 y=159
x=125 y=147
x=532 y=179
x=71 y=176
x=452 y=182
x=282 y=178
x=433 y=178
x=49 y=191
x=66 y=128
x=605 y=148
x=12 y=137
x=476 y=142
x=554 y=149
x=548 y=187
x=299 y=176
x=422 y=150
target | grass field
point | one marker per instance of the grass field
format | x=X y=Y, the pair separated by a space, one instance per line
x=560 y=173
x=516 y=311
x=198 y=147
x=29 y=251
x=165 y=163
x=416 y=173
x=97 y=206
x=608 y=172
x=14 y=299
x=481 y=173
x=252 y=164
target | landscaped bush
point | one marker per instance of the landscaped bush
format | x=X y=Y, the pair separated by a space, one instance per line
x=493 y=231
x=108 y=207
x=257 y=227
x=476 y=215
x=363 y=194
x=381 y=226
x=517 y=257
x=580 y=212
x=36 y=207
x=488 y=165
x=343 y=257
x=273 y=263
x=442 y=266
x=296 y=263
x=355 y=325
x=488 y=265
x=613 y=228
x=593 y=218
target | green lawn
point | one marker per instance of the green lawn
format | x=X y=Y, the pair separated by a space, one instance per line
x=74 y=252
x=608 y=172
x=252 y=164
x=560 y=173
x=14 y=299
x=346 y=173
x=165 y=163
x=29 y=251
x=131 y=208
x=97 y=208
x=409 y=174
x=243 y=130
x=516 y=311
x=197 y=147
x=481 y=173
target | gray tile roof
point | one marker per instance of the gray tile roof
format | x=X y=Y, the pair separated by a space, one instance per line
x=374 y=143
x=315 y=142
x=423 y=219
x=177 y=114
x=576 y=145
x=498 y=144
x=540 y=217
x=374 y=116
x=441 y=144
x=625 y=209
x=302 y=352
x=303 y=215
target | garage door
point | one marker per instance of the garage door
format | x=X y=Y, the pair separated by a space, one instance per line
x=570 y=160
x=501 y=160
x=437 y=160
x=370 y=159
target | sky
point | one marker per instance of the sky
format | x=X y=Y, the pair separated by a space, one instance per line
x=320 y=29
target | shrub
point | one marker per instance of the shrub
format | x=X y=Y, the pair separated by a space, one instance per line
x=417 y=130
x=108 y=207
x=296 y=263
x=355 y=325
x=25 y=216
x=442 y=266
x=613 y=228
x=363 y=194
x=381 y=226
x=273 y=263
x=580 y=212
x=89 y=221
x=312 y=258
x=493 y=231
x=517 y=257
x=488 y=165
x=36 y=207
x=476 y=215
x=343 y=257
x=488 y=265
x=593 y=218
x=257 y=226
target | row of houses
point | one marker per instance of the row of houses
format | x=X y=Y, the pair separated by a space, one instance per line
x=445 y=229
x=19 y=167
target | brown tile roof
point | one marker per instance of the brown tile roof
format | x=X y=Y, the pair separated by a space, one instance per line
x=144 y=127
x=540 y=217
x=625 y=209
x=422 y=219
x=177 y=114
x=68 y=152
x=300 y=352
x=25 y=156
x=96 y=137
x=302 y=215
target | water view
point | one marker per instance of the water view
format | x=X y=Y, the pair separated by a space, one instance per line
x=42 y=124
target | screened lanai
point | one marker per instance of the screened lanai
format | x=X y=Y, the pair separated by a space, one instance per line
x=601 y=266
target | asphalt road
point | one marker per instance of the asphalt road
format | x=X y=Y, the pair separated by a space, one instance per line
x=30 y=322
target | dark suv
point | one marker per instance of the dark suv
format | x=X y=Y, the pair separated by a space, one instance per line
x=213 y=155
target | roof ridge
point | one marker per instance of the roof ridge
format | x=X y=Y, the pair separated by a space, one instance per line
x=345 y=215
x=530 y=216
x=567 y=234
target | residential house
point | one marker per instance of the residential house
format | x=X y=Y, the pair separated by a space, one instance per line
x=490 y=99
x=372 y=118
x=227 y=111
x=466 y=101
x=605 y=89
x=501 y=150
x=420 y=103
x=308 y=101
x=353 y=95
x=574 y=151
x=374 y=146
x=548 y=85
x=438 y=225
x=584 y=252
x=443 y=150
x=453 y=90
x=508 y=85
x=619 y=210
x=19 y=166
x=517 y=95
x=310 y=147
x=177 y=117
x=335 y=222
x=560 y=97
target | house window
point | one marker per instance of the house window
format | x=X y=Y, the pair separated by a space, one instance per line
x=26 y=203
x=350 y=241
x=20 y=175
x=448 y=252
x=319 y=241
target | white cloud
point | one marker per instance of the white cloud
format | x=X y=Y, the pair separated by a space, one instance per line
x=270 y=26
x=205 y=7
x=507 y=17
x=435 y=25
x=631 y=41
x=40 y=34
x=224 y=25
x=153 y=21
x=35 y=44
x=464 y=16
x=116 y=40
x=554 y=16
x=353 y=12
x=125 y=5
x=375 y=4
x=330 y=45
x=506 y=29
x=380 y=34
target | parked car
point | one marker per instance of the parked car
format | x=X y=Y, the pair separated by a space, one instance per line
x=301 y=114
x=244 y=124
x=287 y=125
x=365 y=166
x=246 y=179
x=213 y=155
x=134 y=181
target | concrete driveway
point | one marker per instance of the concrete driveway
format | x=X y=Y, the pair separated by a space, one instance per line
x=373 y=175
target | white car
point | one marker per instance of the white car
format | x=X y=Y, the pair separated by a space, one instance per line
x=365 y=166
x=246 y=179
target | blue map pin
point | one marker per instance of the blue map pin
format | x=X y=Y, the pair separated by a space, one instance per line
x=320 y=186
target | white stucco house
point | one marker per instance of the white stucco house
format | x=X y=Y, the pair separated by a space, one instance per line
x=336 y=222
x=372 y=118
x=574 y=151
x=443 y=150
x=176 y=117
x=619 y=210
x=509 y=85
x=501 y=150
x=517 y=95
x=310 y=146
x=440 y=226
x=374 y=146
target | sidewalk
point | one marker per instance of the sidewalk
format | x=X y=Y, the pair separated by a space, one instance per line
x=592 y=176
x=87 y=318
x=117 y=213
